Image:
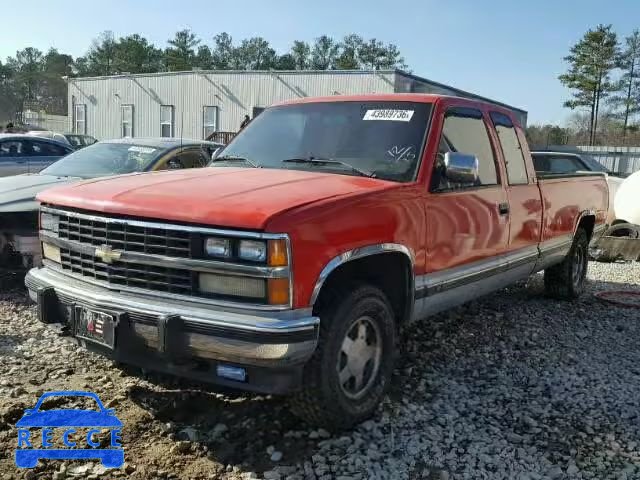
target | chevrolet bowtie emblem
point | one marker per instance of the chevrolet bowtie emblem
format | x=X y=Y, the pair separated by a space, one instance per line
x=107 y=254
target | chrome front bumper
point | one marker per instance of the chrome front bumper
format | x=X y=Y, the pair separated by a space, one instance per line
x=259 y=338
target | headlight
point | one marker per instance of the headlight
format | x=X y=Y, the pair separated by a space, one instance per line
x=49 y=222
x=252 y=250
x=218 y=247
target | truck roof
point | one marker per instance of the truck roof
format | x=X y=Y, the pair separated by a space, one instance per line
x=398 y=97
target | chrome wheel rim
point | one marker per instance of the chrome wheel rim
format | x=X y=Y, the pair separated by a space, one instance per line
x=579 y=265
x=359 y=358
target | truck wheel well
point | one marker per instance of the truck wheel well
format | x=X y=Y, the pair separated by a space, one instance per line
x=390 y=272
x=588 y=222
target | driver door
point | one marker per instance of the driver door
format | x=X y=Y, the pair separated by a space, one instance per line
x=467 y=225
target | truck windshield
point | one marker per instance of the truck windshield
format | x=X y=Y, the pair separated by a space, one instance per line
x=102 y=159
x=379 y=139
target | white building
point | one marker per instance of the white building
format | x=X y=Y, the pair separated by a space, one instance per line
x=196 y=103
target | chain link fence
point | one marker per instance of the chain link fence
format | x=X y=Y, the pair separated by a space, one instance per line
x=55 y=123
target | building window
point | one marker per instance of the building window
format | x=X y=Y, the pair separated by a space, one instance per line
x=80 y=115
x=127 y=121
x=210 y=121
x=166 y=121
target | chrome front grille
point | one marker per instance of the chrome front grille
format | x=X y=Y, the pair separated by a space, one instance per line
x=161 y=279
x=123 y=236
x=156 y=258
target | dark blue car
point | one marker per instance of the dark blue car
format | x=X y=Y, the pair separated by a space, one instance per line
x=71 y=418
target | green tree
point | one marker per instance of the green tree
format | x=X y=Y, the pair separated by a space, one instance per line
x=543 y=136
x=324 y=53
x=100 y=58
x=591 y=62
x=181 y=54
x=349 y=58
x=375 y=55
x=628 y=98
x=53 y=89
x=254 y=54
x=301 y=53
x=285 y=62
x=135 y=54
x=27 y=67
x=223 y=52
x=204 y=58
x=8 y=98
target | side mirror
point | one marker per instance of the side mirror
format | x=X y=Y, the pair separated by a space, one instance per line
x=461 y=168
x=175 y=164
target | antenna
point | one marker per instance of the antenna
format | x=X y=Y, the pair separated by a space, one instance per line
x=182 y=120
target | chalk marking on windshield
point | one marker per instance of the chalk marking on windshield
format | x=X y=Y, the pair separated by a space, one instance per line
x=402 y=153
x=393 y=115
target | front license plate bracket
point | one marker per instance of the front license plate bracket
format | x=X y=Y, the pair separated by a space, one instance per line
x=96 y=326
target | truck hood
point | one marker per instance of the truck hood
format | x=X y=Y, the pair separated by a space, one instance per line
x=217 y=196
x=18 y=193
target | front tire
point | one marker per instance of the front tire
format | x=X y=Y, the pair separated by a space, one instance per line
x=567 y=279
x=352 y=366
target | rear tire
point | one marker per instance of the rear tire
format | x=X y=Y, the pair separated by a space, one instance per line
x=349 y=372
x=567 y=279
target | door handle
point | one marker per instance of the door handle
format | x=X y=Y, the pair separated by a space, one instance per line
x=503 y=208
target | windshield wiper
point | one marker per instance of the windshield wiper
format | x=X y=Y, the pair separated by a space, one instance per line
x=330 y=161
x=235 y=158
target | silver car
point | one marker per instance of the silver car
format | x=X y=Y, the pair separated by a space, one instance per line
x=28 y=154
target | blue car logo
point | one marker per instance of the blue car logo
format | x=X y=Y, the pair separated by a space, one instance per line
x=27 y=456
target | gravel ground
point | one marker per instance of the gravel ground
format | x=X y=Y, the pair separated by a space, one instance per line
x=513 y=386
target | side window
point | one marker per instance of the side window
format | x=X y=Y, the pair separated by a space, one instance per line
x=127 y=121
x=44 y=149
x=74 y=140
x=166 y=120
x=80 y=118
x=565 y=165
x=464 y=131
x=12 y=148
x=511 y=149
x=209 y=121
x=192 y=158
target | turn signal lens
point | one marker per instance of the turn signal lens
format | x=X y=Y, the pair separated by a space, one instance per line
x=278 y=253
x=278 y=290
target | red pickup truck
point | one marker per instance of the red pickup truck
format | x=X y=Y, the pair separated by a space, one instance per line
x=326 y=226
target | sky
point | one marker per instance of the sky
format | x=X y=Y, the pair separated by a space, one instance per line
x=510 y=51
